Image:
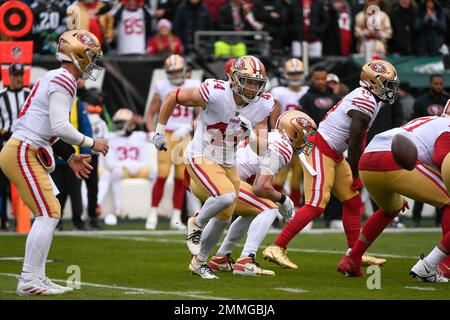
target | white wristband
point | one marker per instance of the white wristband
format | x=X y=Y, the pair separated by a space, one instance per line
x=87 y=142
x=161 y=129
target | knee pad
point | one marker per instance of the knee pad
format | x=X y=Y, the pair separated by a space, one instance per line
x=227 y=199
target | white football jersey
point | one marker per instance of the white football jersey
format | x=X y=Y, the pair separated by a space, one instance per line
x=131 y=33
x=288 y=99
x=181 y=115
x=218 y=131
x=422 y=131
x=335 y=126
x=33 y=122
x=128 y=151
x=248 y=162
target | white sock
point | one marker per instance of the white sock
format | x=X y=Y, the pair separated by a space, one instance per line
x=258 y=231
x=37 y=247
x=237 y=231
x=212 y=206
x=116 y=178
x=210 y=236
x=103 y=186
x=176 y=216
x=434 y=258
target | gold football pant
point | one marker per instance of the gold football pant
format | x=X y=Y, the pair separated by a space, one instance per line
x=19 y=162
x=173 y=155
x=332 y=177
x=248 y=204
x=209 y=179
x=423 y=184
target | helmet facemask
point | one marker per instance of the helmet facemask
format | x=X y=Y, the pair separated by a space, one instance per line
x=176 y=77
x=295 y=79
x=247 y=87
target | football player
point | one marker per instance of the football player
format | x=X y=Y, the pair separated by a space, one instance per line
x=287 y=98
x=344 y=127
x=27 y=158
x=230 y=111
x=128 y=158
x=256 y=204
x=387 y=183
x=179 y=129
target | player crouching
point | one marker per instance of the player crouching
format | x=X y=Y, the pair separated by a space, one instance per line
x=256 y=204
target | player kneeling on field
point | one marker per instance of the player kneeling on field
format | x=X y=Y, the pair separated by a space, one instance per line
x=258 y=204
x=129 y=158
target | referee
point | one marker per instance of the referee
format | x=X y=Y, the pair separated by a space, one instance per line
x=11 y=101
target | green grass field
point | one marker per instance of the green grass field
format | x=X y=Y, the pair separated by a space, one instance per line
x=145 y=265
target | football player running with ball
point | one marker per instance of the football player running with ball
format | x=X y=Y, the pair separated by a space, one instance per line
x=343 y=128
x=27 y=158
x=230 y=111
x=257 y=195
x=387 y=183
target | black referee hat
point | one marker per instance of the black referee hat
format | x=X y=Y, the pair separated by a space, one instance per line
x=16 y=68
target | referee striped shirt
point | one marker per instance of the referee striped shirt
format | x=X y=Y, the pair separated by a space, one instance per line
x=11 y=102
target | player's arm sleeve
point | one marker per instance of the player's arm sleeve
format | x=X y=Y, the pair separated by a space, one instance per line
x=364 y=105
x=210 y=91
x=59 y=108
x=441 y=149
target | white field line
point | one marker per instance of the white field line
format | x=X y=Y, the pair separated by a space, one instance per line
x=292 y=290
x=176 y=232
x=19 y=259
x=140 y=290
x=422 y=288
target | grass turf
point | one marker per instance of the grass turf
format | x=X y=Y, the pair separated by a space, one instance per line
x=155 y=267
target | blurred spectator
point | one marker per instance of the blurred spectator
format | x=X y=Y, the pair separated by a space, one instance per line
x=191 y=16
x=270 y=15
x=162 y=9
x=101 y=26
x=403 y=16
x=333 y=83
x=431 y=103
x=372 y=37
x=48 y=24
x=337 y=39
x=319 y=98
x=214 y=7
x=133 y=25
x=11 y=101
x=406 y=100
x=232 y=16
x=164 y=42
x=430 y=28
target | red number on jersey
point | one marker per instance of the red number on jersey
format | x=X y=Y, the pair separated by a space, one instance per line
x=414 y=124
x=265 y=95
x=219 y=84
x=125 y=153
x=133 y=26
x=180 y=111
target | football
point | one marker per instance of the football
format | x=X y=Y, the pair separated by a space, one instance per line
x=404 y=152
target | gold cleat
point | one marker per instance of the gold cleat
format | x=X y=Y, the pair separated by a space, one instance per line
x=276 y=254
x=372 y=261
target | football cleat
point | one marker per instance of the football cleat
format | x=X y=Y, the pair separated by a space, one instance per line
x=422 y=272
x=152 y=219
x=193 y=237
x=201 y=269
x=51 y=284
x=249 y=267
x=223 y=264
x=35 y=287
x=372 y=261
x=349 y=268
x=278 y=255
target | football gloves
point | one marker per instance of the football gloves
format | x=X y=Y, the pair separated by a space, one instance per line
x=287 y=209
x=159 y=140
x=246 y=126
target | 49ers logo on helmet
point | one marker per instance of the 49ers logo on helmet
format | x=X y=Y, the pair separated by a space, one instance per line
x=303 y=122
x=378 y=67
x=239 y=64
x=87 y=40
